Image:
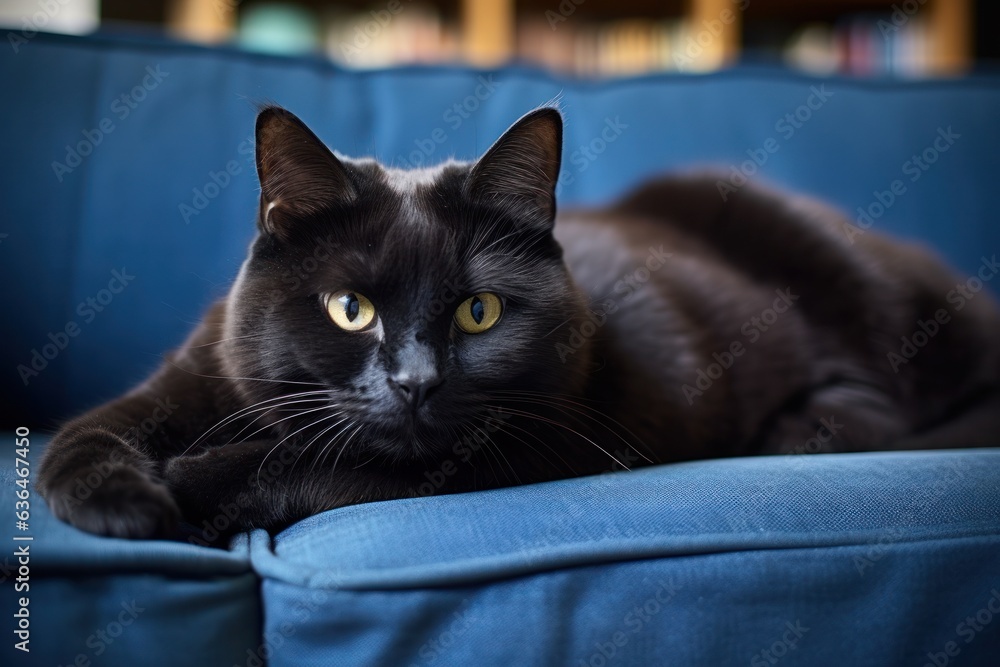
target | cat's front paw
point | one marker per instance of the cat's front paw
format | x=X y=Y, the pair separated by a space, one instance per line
x=115 y=500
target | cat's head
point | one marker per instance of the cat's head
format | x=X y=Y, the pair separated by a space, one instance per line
x=413 y=299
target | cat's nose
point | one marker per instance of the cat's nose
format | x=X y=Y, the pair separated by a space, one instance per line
x=416 y=372
x=415 y=387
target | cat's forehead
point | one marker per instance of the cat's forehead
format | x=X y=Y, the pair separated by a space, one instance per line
x=400 y=227
x=413 y=229
x=407 y=182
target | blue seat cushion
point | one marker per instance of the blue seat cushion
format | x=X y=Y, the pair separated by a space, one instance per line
x=861 y=559
x=877 y=559
x=104 y=601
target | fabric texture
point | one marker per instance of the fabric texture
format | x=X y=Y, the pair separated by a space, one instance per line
x=862 y=559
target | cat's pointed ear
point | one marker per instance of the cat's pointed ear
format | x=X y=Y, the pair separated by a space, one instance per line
x=298 y=175
x=522 y=167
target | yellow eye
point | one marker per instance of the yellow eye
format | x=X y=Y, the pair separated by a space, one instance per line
x=350 y=311
x=479 y=313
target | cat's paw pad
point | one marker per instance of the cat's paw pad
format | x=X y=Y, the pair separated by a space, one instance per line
x=115 y=500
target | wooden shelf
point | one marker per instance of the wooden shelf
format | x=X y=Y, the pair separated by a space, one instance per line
x=488 y=29
x=949 y=23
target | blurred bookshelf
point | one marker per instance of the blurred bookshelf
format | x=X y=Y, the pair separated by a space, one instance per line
x=591 y=38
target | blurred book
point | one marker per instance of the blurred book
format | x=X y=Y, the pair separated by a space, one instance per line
x=862 y=45
x=379 y=37
x=614 y=48
x=392 y=33
x=279 y=28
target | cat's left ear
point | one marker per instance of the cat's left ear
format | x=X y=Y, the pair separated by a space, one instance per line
x=299 y=176
x=521 y=169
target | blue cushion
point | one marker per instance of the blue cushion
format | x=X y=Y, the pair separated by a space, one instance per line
x=122 y=208
x=876 y=559
x=119 y=602
x=863 y=559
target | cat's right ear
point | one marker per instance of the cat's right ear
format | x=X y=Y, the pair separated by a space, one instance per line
x=521 y=169
x=299 y=176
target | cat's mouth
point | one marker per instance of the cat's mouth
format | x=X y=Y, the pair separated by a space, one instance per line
x=421 y=434
x=411 y=441
x=370 y=423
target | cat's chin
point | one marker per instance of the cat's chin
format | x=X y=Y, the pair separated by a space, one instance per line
x=413 y=439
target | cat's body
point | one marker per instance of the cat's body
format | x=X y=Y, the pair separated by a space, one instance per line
x=772 y=314
x=344 y=366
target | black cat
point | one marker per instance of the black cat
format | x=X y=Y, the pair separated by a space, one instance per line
x=399 y=333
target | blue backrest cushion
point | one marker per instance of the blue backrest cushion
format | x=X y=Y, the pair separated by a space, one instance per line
x=129 y=188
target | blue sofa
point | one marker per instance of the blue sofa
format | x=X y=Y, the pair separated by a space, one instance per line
x=128 y=199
